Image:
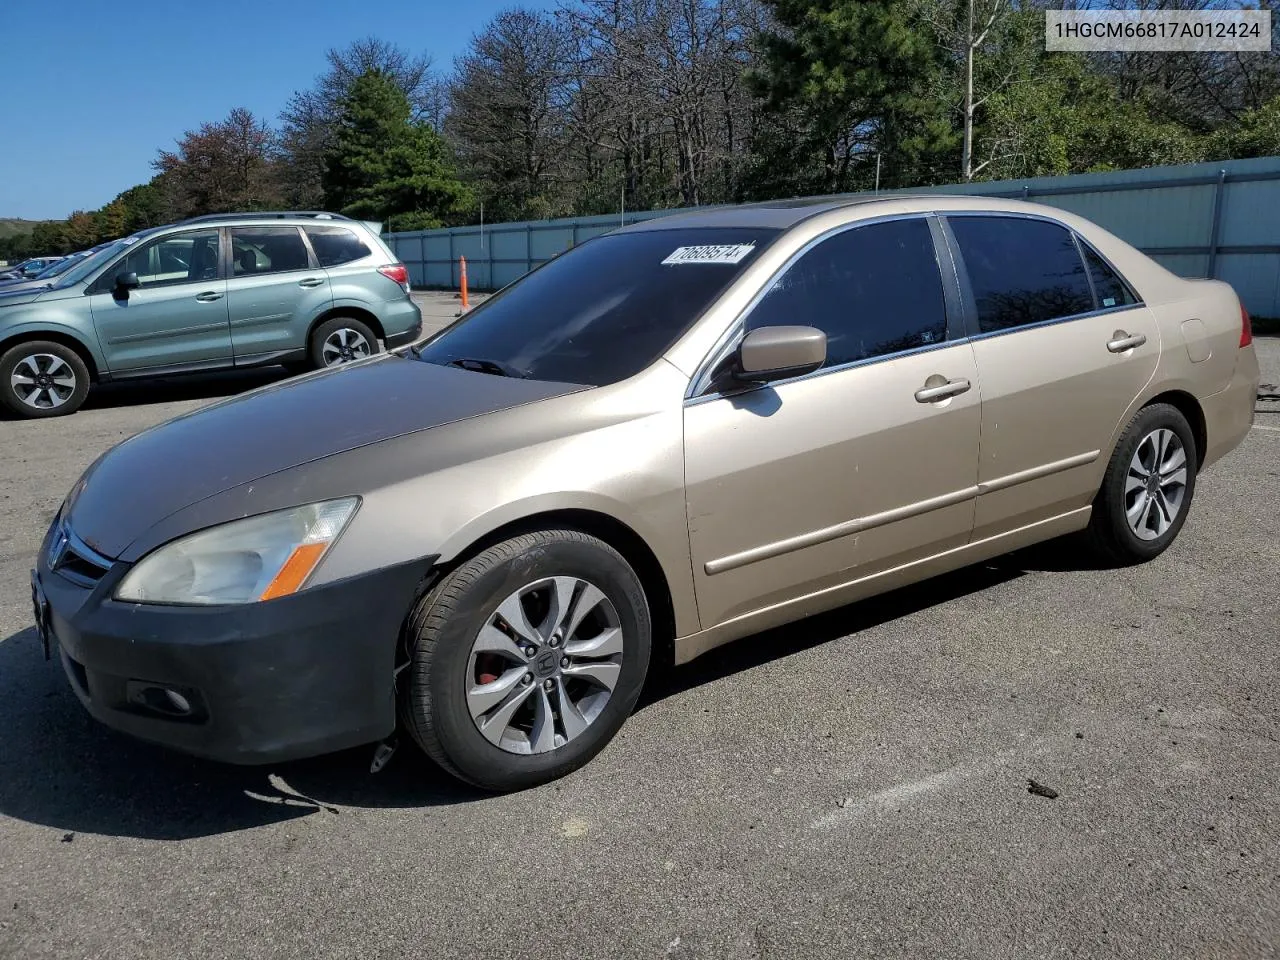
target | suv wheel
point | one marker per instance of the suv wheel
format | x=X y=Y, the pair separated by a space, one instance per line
x=41 y=378
x=1146 y=492
x=526 y=659
x=341 y=340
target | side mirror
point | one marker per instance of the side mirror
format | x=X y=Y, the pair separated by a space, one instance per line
x=774 y=353
x=127 y=281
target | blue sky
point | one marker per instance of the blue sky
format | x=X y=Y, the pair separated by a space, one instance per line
x=113 y=83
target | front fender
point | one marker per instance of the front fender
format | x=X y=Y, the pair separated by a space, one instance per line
x=31 y=323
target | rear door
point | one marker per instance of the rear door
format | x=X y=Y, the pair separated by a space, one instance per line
x=809 y=483
x=274 y=291
x=1063 y=347
x=177 y=317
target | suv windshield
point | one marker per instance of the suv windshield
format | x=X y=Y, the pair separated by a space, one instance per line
x=603 y=311
x=91 y=263
x=59 y=267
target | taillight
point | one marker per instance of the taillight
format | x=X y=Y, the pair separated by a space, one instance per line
x=1246 y=328
x=397 y=272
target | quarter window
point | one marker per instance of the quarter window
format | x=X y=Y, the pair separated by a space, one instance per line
x=1111 y=290
x=873 y=290
x=335 y=246
x=256 y=250
x=181 y=258
x=1022 y=271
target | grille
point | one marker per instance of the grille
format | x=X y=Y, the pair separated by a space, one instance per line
x=72 y=558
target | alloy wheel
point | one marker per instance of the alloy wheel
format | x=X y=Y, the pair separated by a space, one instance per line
x=544 y=665
x=43 y=381
x=343 y=346
x=1156 y=484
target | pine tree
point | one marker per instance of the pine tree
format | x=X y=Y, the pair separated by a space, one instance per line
x=383 y=166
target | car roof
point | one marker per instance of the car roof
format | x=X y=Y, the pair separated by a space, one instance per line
x=783 y=214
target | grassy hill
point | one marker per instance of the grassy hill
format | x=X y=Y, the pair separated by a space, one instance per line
x=12 y=226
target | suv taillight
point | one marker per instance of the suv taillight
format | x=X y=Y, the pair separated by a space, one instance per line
x=397 y=272
x=1246 y=328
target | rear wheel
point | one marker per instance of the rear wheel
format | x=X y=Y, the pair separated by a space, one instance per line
x=1147 y=490
x=341 y=340
x=41 y=378
x=526 y=659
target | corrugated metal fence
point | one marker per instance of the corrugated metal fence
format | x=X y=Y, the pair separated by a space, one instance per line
x=1200 y=220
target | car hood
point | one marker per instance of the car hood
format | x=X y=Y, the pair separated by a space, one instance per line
x=183 y=461
x=19 y=293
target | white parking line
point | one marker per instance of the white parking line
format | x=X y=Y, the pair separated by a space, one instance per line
x=1260 y=426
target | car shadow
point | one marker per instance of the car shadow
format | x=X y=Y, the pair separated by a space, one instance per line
x=758 y=649
x=198 y=386
x=64 y=770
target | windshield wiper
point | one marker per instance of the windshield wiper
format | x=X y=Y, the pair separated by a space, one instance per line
x=488 y=366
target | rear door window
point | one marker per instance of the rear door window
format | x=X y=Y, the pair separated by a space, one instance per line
x=335 y=246
x=1022 y=271
x=873 y=290
x=258 y=250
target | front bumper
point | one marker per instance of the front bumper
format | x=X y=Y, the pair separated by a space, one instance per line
x=299 y=676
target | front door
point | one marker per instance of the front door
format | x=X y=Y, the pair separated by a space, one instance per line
x=273 y=292
x=177 y=317
x=807 y=484
x=1063 y=348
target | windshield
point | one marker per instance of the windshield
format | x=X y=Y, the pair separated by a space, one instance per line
x=59 y=266
x=603 y=311
x=90 y=263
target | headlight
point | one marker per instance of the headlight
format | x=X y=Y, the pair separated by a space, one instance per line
x=244 y=561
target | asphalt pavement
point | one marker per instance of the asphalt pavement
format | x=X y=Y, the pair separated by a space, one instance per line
x=855 y=785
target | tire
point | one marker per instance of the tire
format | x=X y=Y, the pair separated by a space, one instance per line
x=1110 y=533
x=59 y=367
x=360 y=342
x=445 y=671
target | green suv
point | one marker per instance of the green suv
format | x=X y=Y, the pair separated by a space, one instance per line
x=305 y=290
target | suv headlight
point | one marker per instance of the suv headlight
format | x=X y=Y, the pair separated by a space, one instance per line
x=244 y=561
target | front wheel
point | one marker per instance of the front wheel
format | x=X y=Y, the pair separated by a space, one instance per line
x=526 y=659
x=1147 y=489
x=40 y=378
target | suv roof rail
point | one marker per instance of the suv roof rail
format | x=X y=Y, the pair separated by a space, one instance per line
x=269 y=215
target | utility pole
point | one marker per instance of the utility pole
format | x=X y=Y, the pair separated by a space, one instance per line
x=877 y=171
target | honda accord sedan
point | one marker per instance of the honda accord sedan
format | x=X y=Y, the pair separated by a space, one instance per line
x=667 y=438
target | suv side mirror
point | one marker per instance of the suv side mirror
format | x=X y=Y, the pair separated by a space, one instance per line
x=774 y=353
x=127 y=281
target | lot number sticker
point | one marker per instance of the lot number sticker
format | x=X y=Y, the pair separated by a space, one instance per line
x=709 y=253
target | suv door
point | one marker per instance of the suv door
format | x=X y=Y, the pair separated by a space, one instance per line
x=1063 y=348
x=809 y=483
x=177 y=317
x=274 y=292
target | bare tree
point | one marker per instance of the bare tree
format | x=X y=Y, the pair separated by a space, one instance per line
x=508 y=111
x=671 y=75
x=980 y=38
x=223 y=166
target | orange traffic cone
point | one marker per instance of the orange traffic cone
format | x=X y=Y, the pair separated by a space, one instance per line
x=462 y=262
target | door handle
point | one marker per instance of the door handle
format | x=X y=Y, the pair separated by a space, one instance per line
x=1121 y=341
x=310 y=282
x=933 y=390
x=208 y=296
